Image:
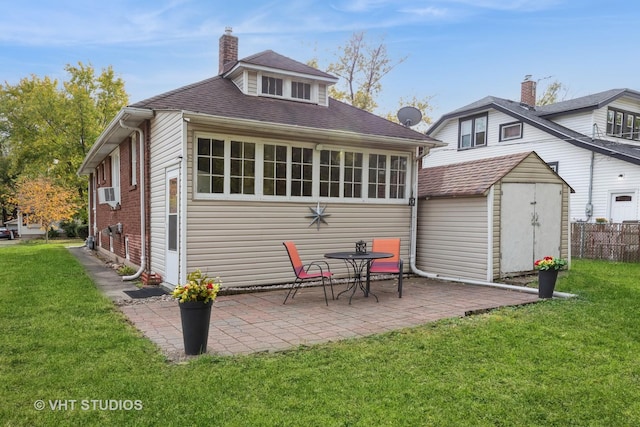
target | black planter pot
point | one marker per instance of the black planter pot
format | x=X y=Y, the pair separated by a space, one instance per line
x=547 y=283
x=195 y=316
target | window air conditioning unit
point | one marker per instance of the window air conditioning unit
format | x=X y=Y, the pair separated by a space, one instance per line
x=107 y=195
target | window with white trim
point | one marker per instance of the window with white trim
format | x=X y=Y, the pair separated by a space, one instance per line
x=275 y=170
x=243 y=167
x=271 y=85
x=300 y=90
x=510 y=131
x=225 y=167
x=301 y=172
x=330 y=173
x=115 y=173
x=377 y=176
x=352 y=175
x=398 y=177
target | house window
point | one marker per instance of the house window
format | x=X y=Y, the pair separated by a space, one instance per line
x=473 y=132
x=510 y=131
x=133 y=157
x=330 y=173
x=377 y=176
x=271 y=86
x=115 y=173
x=210 y=165
x=275 y=170
x=353 y=175
x=300 y=90
x=243 y=167
x=224 y=168
x=398 y=177
x=553 y=166
x=301 y=171
x=623 y=124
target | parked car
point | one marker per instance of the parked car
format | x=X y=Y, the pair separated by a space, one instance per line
x=5 y=233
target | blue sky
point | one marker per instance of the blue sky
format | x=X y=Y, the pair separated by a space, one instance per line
x=457 y=51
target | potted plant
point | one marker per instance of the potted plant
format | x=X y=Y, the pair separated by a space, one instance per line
x=195 y=298
x=548 y=268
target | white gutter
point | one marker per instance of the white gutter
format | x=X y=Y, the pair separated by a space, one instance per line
x=417 y=271
x=141 y=168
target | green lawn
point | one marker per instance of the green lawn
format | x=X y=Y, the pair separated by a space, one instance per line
x=561 y=362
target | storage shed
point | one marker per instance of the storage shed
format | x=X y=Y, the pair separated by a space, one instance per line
x=491 y=218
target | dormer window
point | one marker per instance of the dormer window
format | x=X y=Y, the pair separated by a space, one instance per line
x=300 y=90
x=271 y=86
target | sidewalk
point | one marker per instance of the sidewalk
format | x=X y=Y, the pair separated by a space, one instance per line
x=258 y=322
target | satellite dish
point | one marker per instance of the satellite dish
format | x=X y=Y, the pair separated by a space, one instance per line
x=409 y=116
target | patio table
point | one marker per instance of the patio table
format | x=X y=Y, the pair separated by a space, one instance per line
x=356 y=262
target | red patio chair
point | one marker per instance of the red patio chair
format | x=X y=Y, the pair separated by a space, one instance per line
x=320 y=270
x=391 y=265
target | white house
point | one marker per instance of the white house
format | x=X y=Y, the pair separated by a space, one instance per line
x=592 y=142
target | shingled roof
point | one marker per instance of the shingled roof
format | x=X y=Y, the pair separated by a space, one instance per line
x=473 y=178
x=219 y=97
x=540 y=117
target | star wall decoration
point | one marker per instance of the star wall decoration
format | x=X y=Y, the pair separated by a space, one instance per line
x=318 y=215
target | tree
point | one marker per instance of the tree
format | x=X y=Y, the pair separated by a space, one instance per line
x=45 y=201
x=361 y=67
x=550 y=95
x=47 y=128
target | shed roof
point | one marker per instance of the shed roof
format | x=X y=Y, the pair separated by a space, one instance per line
x=472 y=178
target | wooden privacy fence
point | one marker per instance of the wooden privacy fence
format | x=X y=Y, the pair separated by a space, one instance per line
x=614 y=242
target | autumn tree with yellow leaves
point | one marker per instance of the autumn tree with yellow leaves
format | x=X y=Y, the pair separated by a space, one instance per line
x=45 y=201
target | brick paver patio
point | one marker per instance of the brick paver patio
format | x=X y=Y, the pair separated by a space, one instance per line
x=257 y=322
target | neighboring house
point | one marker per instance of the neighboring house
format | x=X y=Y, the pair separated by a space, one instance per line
x=217 y=174
x=593 y=142
x=491 y=218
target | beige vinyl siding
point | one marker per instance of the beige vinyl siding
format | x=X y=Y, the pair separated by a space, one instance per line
x=252 y=83
x=323 y=97
x=238 y=80
x=241 y=242
x=452 y=237
x=166 y=147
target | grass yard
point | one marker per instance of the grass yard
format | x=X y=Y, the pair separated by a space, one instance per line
x=561 y=362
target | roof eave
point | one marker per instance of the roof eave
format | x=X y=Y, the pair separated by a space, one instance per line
x=319 y=136
x=112 y=136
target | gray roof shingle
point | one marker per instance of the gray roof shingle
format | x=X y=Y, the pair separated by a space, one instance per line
x=218 y=96
x=540 y=117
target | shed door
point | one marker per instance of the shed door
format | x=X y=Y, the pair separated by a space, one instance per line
x=530 y=225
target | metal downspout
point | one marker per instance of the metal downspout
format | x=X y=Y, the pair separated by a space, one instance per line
x=141 y=165
x=415 y=270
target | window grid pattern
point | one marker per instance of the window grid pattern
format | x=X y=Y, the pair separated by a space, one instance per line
x=275 y=170
x=243 y=167
x=329 y=173
x=301 y=172
x=377 y=176
x=210 y=164
x=398 y=177
x=353 y=175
